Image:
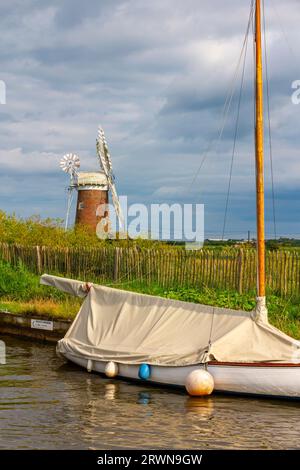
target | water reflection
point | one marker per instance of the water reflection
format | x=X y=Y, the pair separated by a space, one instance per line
x=201 y=407
x=110 y=392
x=144 y=398
x=45 y=403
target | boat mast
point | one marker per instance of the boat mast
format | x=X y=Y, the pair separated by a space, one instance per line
x=259 y=153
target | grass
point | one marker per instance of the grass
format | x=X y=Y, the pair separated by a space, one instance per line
x=63 y=310
x=21 y=293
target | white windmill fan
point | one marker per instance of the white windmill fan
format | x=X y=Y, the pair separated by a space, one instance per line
x=70 y=163
x=106 y=166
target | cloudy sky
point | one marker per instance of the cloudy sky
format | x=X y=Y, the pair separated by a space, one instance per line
x=155 y=75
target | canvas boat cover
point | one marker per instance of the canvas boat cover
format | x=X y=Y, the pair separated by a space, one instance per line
x=131 y=328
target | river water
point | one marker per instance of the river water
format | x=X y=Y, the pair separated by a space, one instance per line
x=48 y=404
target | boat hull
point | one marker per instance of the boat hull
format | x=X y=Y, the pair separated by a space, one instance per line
x=272 y=380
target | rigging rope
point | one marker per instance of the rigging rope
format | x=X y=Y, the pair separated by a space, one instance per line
x=269 y=122
x=285 y=36
x=228 y=101
x=210 y=338
x=235 y=137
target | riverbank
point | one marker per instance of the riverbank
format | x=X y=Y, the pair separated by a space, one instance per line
x=21 y=294
x=33 y=327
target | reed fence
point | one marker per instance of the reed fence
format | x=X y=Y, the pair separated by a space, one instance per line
x=229 y=269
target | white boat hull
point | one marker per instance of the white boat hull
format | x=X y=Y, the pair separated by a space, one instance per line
x=274 y=380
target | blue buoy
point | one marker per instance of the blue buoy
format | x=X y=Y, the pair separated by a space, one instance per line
x=144 y=371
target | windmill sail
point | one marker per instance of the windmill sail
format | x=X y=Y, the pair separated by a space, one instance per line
x=106 y=166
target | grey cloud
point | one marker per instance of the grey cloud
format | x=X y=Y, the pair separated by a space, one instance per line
x=155 y=74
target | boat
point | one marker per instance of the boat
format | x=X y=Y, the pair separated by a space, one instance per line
x=160 y=341
x=118 y=333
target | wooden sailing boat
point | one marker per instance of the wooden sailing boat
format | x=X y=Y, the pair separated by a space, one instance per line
x=118 y=332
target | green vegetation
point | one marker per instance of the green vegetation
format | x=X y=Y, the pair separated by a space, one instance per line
x=20 y=293
x=19 y=284
x=50 y=232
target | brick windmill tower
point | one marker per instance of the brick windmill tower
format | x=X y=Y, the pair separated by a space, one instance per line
x=93 y=190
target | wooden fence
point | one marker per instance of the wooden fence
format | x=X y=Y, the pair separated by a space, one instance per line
x=234 y=269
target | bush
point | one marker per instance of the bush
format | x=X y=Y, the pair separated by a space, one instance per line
x=50 y=232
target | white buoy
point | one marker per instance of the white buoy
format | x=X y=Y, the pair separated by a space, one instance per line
x=199 y=383
x=89 y=365
x=111 y=369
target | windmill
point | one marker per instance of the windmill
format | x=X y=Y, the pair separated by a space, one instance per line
x=93 y=188
x=70 y=164
x=106 y=166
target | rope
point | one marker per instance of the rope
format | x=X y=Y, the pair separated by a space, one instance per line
x=227 y=103
x=210 y=336
x=235 y=138
x=254 y=78
x=285 y=36
x=269 y=122
x=225 y=113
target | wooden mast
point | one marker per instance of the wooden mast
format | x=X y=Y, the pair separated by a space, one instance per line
x=259 y=151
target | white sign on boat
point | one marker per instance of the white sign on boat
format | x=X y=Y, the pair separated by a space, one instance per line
x=42 y=325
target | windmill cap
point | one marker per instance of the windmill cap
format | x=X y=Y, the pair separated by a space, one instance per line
x=95 y=179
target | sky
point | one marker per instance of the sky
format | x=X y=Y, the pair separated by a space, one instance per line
x=155 y=75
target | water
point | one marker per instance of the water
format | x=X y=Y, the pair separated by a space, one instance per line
x=47 y=404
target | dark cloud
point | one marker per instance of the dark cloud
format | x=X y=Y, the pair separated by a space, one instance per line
x=155 y=74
